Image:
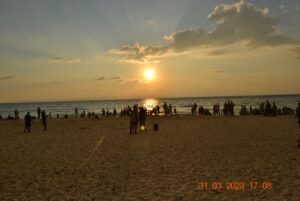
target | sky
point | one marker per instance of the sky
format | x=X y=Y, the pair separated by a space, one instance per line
x=97 y=49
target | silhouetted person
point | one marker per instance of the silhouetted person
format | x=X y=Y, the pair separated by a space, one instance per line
x=142 y=117
x=76 y=112
x=16 y=112
x=262 y=108
x=27 y=122
x=134 y=119
x=274 y=109
x=267 y=109
x=165 y=107
x=114 y=112
x=194 y=109
x=170 y=109
x=39 y=112
x=157 y=109
x=44 y=120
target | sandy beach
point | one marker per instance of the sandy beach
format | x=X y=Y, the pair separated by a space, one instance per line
x=89 y=159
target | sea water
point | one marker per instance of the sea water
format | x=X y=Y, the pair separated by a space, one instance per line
x=183 y=105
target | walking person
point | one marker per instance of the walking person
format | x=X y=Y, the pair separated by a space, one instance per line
x=27 y=122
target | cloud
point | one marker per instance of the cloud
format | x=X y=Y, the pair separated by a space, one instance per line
x=65 y=60
x=114 y=78
x=240 y=22
x=100 y=78
x=8 y=77
x=139 y=53
x=117 y=78
x=296 y=51
x=218 y=52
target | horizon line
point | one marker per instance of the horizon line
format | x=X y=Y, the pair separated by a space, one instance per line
x=124 y=99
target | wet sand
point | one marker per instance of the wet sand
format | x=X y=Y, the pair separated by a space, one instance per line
x=88 y=159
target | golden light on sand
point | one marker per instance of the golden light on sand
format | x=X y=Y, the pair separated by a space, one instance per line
x=149 y=74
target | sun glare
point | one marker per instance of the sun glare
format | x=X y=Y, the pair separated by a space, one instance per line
x=149 y=74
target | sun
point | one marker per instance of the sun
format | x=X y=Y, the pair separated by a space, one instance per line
x=149 y=74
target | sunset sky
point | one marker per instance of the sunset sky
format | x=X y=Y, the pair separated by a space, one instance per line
x=81 y=50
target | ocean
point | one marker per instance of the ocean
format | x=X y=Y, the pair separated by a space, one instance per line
x=183 y=105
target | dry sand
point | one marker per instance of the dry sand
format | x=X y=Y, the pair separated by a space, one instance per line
x=84 y=159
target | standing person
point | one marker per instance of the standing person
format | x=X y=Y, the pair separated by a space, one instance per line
x=274 y=109
x=134 y=116
x=170 y=109
x=44 y=120
x=39 y=112
x=76 y=112
x=16 y=114
x=142 y=118
x=114 y=112
x=268 y=108
x=27 y=122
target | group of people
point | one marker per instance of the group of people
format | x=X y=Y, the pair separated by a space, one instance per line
x=228 y=109
x=169 y=109
x=266 y=109
x=137 y=116
x=41 y=115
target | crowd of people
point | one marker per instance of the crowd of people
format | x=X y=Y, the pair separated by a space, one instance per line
x=138 y=115
x=266 y=109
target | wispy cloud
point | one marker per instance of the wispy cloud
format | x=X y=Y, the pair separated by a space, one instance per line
x=240 y=22
x=8 y=77
x=101 y=78
x=65 y=60
x=114 y=78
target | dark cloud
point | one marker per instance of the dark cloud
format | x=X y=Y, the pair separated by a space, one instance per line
x=240 y=22
x=8 y=77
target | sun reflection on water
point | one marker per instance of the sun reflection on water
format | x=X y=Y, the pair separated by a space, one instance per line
x=149 y=104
